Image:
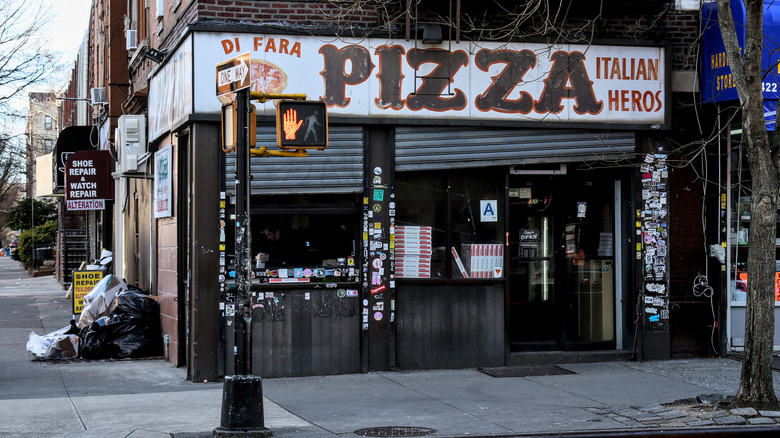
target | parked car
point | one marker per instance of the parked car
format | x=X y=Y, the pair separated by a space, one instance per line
x=14 y=245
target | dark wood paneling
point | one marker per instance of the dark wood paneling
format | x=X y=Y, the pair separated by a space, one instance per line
x=450 y=326
x=296 y=336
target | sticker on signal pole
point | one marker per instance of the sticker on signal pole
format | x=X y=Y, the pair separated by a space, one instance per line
x=83 y=282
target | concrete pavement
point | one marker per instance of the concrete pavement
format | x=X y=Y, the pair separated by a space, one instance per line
x=151 y=398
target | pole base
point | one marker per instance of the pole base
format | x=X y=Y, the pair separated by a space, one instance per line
x=224 y=433
x=242 y=408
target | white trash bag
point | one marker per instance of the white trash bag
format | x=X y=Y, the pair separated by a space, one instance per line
x=55 y=345
x=99 y=300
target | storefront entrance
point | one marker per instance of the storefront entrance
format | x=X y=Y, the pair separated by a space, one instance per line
x=561 y=232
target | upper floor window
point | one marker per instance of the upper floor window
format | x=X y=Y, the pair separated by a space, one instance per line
x=48 y=144
x=48 y=122
x=138 y=13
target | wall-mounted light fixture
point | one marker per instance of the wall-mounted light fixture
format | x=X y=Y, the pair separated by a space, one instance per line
x=155 y=55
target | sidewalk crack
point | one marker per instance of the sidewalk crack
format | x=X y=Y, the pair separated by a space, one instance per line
x=70 y=399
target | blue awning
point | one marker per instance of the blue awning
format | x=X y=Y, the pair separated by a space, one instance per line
x=716 y=81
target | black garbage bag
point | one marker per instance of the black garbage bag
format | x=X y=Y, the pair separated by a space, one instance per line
x=136 y=324
x=94 y=344
x=132 y=330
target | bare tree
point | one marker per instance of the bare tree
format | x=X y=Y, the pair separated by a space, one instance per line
x=755 y=386
x=11 y=170
x=24 y=58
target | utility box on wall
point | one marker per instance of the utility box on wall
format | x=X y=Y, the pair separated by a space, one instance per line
x=131 y=142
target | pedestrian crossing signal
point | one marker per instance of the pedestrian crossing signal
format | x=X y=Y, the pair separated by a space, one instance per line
x=301 y=124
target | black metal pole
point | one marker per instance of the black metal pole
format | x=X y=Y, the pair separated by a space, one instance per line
x=243 y=244
x=242 y=395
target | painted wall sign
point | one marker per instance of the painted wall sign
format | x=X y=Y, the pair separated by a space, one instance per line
x=88 y=181
x=480 y=80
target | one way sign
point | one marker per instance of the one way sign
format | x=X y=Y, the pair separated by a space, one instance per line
x=233 y=74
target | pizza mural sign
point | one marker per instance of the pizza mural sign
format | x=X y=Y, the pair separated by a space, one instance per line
x=380 y=78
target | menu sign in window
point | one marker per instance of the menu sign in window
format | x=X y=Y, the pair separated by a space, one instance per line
x=413 y=249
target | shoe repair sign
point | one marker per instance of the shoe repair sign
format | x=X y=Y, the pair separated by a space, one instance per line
x=83 y=282
x=88 y=181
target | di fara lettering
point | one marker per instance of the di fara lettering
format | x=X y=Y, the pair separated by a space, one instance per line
x=482 y=80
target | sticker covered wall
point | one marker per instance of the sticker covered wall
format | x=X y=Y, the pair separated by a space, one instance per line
x=652 y=248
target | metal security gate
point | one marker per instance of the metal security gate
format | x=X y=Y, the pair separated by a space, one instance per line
x=423 y=148
x=337 y=169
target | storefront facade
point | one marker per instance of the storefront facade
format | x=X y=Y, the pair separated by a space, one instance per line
x=720 y=92
x=474 y=201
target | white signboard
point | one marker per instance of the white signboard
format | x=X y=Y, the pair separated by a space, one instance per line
x=163 y=182
x=170 y=91
x=380 y=78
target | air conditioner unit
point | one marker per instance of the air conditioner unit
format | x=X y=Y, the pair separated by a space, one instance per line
x=131 y=142
x=98 y=96
x=131 y=39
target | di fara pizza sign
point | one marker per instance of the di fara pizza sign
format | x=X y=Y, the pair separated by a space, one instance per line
x=378 y=78
x=88 y=182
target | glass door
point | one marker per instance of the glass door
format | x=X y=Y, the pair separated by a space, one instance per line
x=589 y=268
x=533 y=298
x=561 y=264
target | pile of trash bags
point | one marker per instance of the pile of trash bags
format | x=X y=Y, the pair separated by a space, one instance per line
x=118 y=321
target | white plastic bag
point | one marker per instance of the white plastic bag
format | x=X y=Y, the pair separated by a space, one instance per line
x=55 y=345
x=99 y=300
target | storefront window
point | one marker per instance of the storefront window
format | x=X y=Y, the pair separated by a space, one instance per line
x=739 y=228
x=476 y=244
x=420 y=225
x=451 y=222
x=303 y=239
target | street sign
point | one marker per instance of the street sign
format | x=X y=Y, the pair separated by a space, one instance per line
x=302 y=124
x=233 y=74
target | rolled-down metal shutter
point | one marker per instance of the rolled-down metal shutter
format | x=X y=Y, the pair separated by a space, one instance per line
x=337 y=169
x=419 y=148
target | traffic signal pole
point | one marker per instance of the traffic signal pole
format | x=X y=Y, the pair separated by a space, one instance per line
x=242 y=394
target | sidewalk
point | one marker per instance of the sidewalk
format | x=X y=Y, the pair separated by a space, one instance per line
x=152 y=399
